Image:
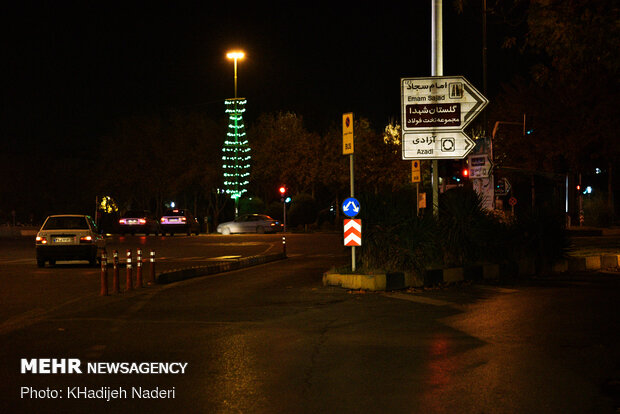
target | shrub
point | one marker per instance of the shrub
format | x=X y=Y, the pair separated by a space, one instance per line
x=393 y=237
x=251 y=205
x=597 y=212
x=303 y=210
x=541 y=234
x=465 y=228
x=274 y=210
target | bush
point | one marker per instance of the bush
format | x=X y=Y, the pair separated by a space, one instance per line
x=393 y=237
x=303 y=210
x=541 y=234
x=597 y=212
x=252 y=205
x=275 y=210
x=464 y=228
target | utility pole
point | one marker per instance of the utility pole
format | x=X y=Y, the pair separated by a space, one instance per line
x=436 y=70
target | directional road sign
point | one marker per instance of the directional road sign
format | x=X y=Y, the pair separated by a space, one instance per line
x=436 y=145
x=480 y=166
x=502 y=187
x=352 y=232
x=439 y=103
x=350 y=207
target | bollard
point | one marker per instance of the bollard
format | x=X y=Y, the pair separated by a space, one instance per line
x=139 y=268
x=284 y=245
x=152 y=278
x=129 y=280
x=104 y=273
x=115 y=282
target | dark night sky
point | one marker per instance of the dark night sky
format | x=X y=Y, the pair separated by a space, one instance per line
x=70 y=70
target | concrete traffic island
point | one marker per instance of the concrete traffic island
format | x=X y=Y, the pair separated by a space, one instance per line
x=188 y=273
x=379 y=281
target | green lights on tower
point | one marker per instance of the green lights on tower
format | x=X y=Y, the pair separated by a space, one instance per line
x=236 y=151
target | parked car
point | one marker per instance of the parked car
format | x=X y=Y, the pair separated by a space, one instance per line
x=138 y=221
x=179 y=221
x=68 y=237
x=250 y=223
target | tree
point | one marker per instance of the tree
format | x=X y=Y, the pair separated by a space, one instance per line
x=149 y=159
x=284 y=153
x=581 y=41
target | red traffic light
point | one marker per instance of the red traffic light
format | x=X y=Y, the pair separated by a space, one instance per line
x=465 y=173
x=283 y=190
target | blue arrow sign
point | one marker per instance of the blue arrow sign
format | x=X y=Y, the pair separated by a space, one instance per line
x=350 y=207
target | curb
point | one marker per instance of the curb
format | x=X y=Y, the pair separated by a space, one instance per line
x=431 y=277
x=12 y=232
x=188 y=273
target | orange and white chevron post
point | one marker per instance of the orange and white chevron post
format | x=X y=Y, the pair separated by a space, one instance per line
x=352 y=232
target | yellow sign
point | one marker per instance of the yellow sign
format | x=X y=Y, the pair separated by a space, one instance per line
x=347 y=133
x=415 y=171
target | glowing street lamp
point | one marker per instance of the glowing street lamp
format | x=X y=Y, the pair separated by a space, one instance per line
x=236 y=55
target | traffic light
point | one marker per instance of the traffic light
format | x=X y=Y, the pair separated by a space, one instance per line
x=528 y=124
x=459 y=170
x=282 y=193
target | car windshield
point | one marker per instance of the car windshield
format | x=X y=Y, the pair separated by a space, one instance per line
x=71 y=223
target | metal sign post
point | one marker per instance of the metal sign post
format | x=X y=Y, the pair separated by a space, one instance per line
x=348 y=148
x=435 y=110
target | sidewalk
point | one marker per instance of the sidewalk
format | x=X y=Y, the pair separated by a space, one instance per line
x=588 y=241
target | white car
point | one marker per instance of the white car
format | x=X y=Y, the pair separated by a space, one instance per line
x=250 y=223
x=68 y=237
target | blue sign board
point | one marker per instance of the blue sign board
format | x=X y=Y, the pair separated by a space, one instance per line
x=351 y=207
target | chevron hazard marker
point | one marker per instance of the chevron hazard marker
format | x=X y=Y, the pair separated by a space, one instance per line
x=352 y=232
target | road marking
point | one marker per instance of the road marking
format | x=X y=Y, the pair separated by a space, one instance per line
x=418 y=299
x=224 y=258
x=18 y=261
x=497 y=289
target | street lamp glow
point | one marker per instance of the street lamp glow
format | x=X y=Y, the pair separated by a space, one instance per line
x=235 y=55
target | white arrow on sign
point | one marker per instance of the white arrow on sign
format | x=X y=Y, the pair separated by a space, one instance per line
x=351 y=205
x=439 y=103
x=436 y=145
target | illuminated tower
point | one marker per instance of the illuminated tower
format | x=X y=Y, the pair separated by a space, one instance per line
x=236 y=152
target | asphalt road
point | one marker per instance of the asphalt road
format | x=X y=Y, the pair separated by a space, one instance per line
x=272 y=339
x=28 y=292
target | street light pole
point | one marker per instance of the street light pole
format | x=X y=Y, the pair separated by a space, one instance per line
x=436 y=70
